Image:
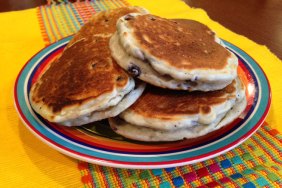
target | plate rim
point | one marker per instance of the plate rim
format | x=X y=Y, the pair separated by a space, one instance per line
x=140 y=165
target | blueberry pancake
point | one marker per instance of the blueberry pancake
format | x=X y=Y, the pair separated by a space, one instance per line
x=167 y=115
x=85 y=84
x=173 y=54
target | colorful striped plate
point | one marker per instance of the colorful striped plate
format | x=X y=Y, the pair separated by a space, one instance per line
x=97 y=143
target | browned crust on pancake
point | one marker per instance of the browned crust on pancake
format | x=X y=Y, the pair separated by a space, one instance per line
x=103 y=23
x=184 y=44
x=73 y=79
x=86 y=69
x=166 y=104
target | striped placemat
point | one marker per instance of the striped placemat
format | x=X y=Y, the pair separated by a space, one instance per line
x=255 y=163
x=61 y=19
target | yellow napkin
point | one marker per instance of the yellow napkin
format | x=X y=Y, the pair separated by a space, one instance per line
x=24 y=160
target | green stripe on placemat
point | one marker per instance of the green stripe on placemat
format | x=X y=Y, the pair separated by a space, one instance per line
x=62 y=18
x=255 y=163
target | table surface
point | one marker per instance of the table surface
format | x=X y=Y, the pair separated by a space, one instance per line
x=259 y=20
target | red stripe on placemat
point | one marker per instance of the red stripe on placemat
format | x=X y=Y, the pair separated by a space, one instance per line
x=84 y=11
x=42 y=26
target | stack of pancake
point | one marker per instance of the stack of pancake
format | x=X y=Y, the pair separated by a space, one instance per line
x=192 y=83
x=85 y=84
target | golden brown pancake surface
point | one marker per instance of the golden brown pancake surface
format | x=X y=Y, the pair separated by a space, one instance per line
x=166 y=104
x=103 y=24
x=86 y=69
x=74 y=78
x=184 y=44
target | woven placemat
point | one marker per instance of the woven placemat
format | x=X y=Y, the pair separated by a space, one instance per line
x=255 y=163
x=62 y=19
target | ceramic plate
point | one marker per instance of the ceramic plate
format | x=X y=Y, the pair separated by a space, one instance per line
x=97 y=143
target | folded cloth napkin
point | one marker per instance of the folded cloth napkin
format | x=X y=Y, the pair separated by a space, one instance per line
x=26 y=162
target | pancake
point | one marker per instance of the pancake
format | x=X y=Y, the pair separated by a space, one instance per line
x=111 y=111
x=180 y=55
x=85 y=79
x=167 y=115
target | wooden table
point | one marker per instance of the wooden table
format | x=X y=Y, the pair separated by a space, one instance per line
x=259 y=20
x=9 y=5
